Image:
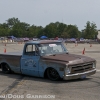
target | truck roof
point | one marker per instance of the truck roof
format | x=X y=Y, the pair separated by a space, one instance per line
x=42 y=41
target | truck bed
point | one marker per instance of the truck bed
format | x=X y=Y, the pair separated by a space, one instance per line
x=12 y=59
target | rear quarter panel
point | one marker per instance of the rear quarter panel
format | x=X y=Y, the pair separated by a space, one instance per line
x=13 y=61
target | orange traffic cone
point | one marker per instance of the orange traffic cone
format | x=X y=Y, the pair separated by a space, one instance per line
x=4 y=50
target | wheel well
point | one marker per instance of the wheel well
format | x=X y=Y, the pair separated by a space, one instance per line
x=0 y=65
x=5 y=68
x=45 y=73
x=3 y=64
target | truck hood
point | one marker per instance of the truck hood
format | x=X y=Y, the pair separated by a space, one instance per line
x=68 y=58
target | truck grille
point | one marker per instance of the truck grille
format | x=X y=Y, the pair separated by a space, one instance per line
x=81 y=68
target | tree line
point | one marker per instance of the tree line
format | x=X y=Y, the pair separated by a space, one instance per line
x=13 y=26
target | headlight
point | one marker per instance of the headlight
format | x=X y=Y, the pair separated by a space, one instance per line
x=67 y=70
x=94 y=64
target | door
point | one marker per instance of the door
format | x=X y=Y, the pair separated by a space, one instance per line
x=30 y=60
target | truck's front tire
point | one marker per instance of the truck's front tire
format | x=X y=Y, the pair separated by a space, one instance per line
x=5 y=68
x=52 y=74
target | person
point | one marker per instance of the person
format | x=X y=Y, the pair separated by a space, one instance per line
x=76 y=43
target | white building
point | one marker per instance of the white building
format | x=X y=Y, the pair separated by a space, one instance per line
x=98 y=36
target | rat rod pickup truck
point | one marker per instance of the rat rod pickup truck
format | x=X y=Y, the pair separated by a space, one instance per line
x=50 y=59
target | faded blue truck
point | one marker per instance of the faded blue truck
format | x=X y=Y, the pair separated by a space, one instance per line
x=50 y=59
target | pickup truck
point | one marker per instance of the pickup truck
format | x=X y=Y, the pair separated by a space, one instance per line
x=48 y=59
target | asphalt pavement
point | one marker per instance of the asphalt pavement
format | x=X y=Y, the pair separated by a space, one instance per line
x=21 y=87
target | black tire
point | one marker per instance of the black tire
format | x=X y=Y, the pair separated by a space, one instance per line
x=5 y=69
x=52 y=74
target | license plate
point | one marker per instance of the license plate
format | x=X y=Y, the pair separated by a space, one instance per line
x=83 y=76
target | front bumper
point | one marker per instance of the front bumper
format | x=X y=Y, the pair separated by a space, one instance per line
x=79 y=75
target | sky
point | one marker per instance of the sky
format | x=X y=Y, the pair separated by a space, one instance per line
x=43 y=12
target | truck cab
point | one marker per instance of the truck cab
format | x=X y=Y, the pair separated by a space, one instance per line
x=33 y=62
x=30 y=59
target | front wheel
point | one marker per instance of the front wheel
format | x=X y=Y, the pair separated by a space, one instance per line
x=52 y=74
x=5 y=69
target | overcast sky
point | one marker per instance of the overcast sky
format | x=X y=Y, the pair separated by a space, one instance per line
x=43 y=12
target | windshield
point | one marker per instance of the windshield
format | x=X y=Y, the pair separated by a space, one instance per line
x=51 y=49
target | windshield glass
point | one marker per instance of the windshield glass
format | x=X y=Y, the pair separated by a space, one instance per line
x=51 y=49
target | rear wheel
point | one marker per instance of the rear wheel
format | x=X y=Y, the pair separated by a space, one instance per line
x=52 y=74
x=5 y=69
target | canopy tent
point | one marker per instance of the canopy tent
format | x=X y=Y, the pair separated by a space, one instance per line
x=82 y=39
x=72 y=39
x=11 y=37
x=43 y=37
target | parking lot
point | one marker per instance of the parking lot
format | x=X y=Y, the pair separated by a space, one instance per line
x=26 y=87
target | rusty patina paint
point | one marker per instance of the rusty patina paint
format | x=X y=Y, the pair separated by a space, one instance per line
x=67 y=58
x=13 y=60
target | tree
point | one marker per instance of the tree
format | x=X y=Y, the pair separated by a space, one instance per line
x=12 y=21
x=73 y=31
x=4 y=30
x=20 y=29
x=90 y=30
x=35 y=31
x=54 y=29
x=50 y=30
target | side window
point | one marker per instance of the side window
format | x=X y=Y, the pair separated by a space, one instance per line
x=31 y=50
